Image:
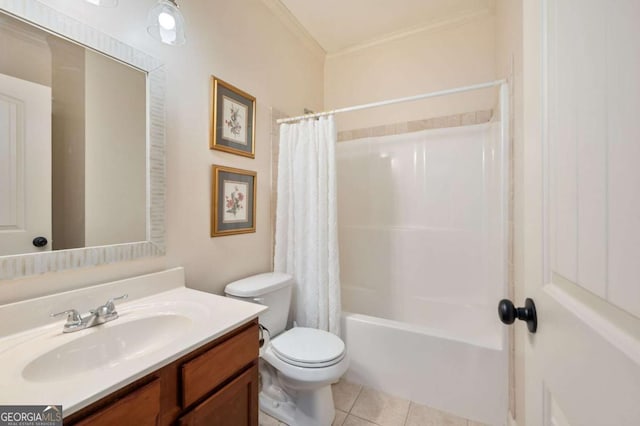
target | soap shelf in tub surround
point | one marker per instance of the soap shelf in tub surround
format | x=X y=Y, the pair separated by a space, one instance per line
x=161 y=323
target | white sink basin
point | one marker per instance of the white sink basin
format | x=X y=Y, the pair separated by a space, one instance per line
x=106 y=346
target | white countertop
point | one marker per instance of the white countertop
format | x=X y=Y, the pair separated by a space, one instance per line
x=209 y=316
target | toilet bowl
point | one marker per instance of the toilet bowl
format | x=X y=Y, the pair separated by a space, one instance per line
x=306 y=362
x=297 y=366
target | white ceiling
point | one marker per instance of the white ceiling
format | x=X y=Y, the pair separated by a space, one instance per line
x=341 y=24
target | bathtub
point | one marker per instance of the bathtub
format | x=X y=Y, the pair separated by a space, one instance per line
x=446 y=365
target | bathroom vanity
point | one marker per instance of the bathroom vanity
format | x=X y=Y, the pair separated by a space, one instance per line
x=173 y=356
x=213 y=385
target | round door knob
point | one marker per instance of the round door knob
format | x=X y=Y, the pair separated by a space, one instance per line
x=508 y=313
x=40 y=241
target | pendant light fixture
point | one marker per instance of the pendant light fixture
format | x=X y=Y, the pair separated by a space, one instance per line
x=103 y=3
x=166 y=24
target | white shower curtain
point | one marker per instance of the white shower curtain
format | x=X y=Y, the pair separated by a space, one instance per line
x=307 y=223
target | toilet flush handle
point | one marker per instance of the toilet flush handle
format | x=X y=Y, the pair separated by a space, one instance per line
x=258 y=300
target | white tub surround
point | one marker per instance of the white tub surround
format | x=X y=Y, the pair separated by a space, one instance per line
x=160 y=321
x=420 y=220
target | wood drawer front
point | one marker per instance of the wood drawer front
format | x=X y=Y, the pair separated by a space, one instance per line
x=140 y=407
x=205 y=372
x=236 y=404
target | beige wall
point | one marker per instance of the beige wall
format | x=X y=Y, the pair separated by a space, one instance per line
x=115 y=152
x=23 y=55
x=509 y=64
x=445 y=57
x=243 y=43
x=67 y=144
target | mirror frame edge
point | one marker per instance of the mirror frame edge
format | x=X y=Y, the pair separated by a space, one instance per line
x=22 y=265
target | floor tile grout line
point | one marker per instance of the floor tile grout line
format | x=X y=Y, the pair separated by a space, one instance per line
x=406 y=417
x=345 y=417
x=356 y=399
x=362 y=418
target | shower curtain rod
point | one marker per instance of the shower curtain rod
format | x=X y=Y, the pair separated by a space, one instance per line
x=395 y=101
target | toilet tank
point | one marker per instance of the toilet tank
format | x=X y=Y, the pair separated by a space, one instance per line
x=272 y=289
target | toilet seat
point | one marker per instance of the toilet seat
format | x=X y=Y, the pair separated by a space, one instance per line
x=308 y=347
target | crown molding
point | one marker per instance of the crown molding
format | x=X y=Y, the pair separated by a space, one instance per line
x=292 y=24
x=432 y=26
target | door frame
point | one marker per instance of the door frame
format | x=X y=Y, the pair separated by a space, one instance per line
x=534 y=234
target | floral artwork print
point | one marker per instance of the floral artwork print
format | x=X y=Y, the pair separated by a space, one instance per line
x=233 y=120
x=234 y=201
x=235 y=196
x=234 y=128
x=233 y=123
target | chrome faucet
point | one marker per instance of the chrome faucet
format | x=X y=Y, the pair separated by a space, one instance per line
x=100 y=315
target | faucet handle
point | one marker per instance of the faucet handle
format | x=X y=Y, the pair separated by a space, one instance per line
x=111 y=307
x=73 y=316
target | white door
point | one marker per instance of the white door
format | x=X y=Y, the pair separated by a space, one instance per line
x=582 y=211
x=25 y=165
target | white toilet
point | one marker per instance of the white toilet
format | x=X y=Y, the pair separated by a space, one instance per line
x=297 y=366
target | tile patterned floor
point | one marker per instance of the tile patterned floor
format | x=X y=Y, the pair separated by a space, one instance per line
x=358 y=405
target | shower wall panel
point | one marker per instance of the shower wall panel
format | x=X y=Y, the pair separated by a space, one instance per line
x=419 y=222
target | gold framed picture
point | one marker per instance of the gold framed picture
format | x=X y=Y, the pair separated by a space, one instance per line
x=233 y=198
x=233 y=119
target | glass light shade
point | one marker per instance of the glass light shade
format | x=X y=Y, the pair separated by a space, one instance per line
x=165 y=23
x=103 y=3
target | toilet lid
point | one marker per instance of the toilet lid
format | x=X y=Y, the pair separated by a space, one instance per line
x=308 y=347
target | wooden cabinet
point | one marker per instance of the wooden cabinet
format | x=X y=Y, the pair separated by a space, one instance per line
x=215 y=385
x=235 y=405
x=140 y=407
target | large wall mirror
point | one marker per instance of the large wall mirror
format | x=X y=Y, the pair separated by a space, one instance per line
x=81 y=145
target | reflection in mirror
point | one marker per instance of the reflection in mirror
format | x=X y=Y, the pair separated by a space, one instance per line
x=93 y=157
x=76 y=175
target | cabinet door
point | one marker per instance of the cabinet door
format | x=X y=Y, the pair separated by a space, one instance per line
x=234 y=405
x=140 y=407
x=210 y=369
